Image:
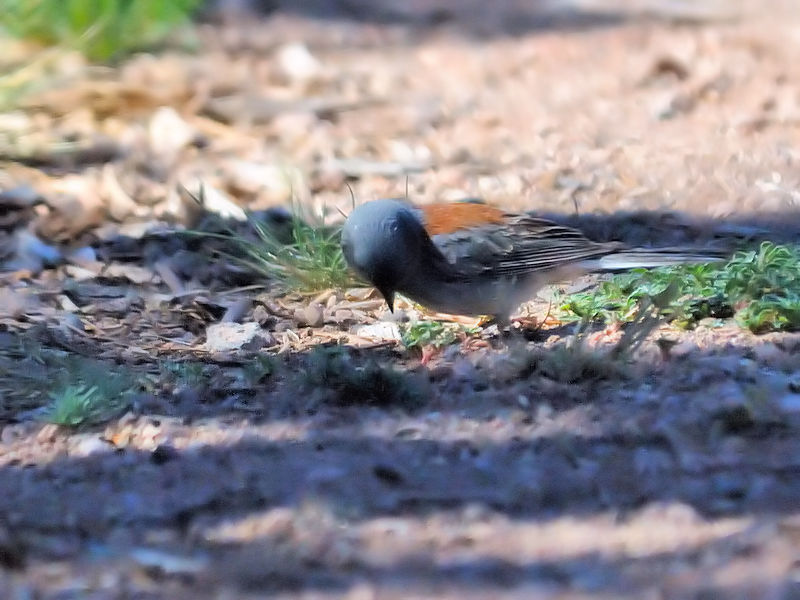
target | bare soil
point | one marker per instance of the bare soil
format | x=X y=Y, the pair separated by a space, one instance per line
x=662 y=475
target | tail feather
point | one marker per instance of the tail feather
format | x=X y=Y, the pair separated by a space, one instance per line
x=648 y=258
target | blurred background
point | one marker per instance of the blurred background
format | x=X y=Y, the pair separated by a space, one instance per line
x=174 y=425
x=549 y=105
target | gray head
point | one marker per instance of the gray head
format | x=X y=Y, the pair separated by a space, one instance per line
x=383 y=241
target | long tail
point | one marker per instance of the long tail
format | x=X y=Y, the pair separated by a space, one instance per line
x=648 y=258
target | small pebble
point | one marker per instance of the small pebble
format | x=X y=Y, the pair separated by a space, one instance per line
x=8 y=434
x=342 y=315
x=282 y=326
x=89 y=444
x=295 y=63
x=47 y=433
x=262 y=316
x=236 y=311
x=314 y=315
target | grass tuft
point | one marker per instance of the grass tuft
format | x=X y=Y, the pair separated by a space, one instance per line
x=183 y=373
x=438 y=334
x=87 y=393
x=259 y=368
x=572 y=363
x=760 y=288
x=345 y=382
x=311 y=260
x=101 y=29
x=298 y=251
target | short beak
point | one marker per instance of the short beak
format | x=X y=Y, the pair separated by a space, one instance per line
x=388 y=295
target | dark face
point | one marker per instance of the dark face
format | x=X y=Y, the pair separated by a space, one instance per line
x=381 y=242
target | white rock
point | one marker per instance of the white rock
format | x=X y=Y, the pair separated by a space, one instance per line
x=86 y=444
x=169 y=133
x=296 y=63
x=224 y=337
x=382 y=330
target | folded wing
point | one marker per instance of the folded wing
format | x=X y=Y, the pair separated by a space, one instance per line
x=521 y=245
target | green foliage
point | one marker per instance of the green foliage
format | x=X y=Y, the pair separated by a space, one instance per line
x=102 y=29
x=431 y=333
x=311 y=261
x=187 y=373
x=343 y=381
x=760 y=287
x=259 y=368
x=573 y=360
x=297 y=255
x=88 y=393
x=572 y=363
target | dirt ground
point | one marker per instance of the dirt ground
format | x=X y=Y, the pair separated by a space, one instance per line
x=671 y=475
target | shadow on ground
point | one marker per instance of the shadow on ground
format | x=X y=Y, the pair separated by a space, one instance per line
x=497 y=474
x=478 y=19
x=604 y=484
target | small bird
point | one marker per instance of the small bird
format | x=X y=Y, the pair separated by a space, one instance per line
x=470 y=258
